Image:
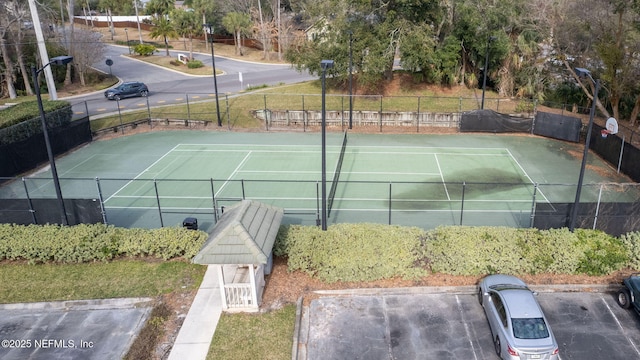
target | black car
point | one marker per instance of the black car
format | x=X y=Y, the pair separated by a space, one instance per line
x=630 y=295
x=127 y=89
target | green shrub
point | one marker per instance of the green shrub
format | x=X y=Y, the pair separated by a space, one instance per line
x=363 y=252
x=524 y=106
x=351 y=252
x=631 y=242
x=194 y=64
x=461 y=250
x=95 y=242
x=144 y=49
x=603 y=253
x=22 y=120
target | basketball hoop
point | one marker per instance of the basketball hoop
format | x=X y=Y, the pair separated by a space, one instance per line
x=604 y=133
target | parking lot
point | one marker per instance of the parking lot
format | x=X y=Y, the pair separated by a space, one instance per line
x=587 y=325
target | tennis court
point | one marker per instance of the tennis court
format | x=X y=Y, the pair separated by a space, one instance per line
x=159 y=178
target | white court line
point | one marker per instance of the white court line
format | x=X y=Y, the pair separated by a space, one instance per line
x=279 y=172
x=140 y=174
x=620 y=326
x=235 y=171
x=350 y=172
x=429 y=153
x=442 y=177
x=259 y=151
x=527 y=175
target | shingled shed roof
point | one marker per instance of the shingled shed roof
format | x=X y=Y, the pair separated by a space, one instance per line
x=244 y=234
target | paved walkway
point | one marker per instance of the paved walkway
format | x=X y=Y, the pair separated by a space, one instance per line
x=196 y=333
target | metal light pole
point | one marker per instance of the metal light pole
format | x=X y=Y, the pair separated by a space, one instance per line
x=486 y=67
x=215 y=77
x=350 y=80
x=126 y=31
x=582 y=72
x=324 y=64
x=58 y=60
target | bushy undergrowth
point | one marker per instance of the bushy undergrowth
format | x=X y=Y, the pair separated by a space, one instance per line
x=487 y=250
x=351 y=252
x=85 y=243
x=365 y=252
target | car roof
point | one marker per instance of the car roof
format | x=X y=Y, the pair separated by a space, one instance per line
x=521 y=303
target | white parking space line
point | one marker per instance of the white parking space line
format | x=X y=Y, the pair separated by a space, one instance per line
x=466 y=327
x=621 y=328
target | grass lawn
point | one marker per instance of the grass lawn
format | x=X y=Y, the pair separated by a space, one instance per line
x=254 y=336
x=124 y=278
x=238 y=336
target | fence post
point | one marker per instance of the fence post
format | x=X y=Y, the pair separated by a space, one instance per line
x=464 y=186
x=120 y=115
x=226 y=99
x=380 y=113
x=533 y=204
x=266 y=118
x=418 y=116
x=342 y=113
x=213 y=199
x=148 y=109
x=621 y=152
x=155 y=185
x=459 y=103
x=101 y=198
x=31 y=209
x=243 y=194
x=390 y=198
x=188 y=108
x=304 y=116
x=318 y=220
x=595 y=218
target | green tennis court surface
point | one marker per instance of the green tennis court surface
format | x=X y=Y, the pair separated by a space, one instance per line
x=154 y=179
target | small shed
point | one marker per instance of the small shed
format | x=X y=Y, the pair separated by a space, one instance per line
x=240 y=247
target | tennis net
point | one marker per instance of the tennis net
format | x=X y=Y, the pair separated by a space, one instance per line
x=336 y=175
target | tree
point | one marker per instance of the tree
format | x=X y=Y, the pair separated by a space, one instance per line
x=91 y=51
x=187 y=25
x=163 y=28
x=602 y=37
x=206 y=9
x=160 y=7
x=378 y=28
x=237 y=24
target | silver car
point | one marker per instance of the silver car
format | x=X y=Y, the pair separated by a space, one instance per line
x=518 y=327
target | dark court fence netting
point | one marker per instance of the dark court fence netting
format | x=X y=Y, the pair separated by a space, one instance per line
x=611 y=207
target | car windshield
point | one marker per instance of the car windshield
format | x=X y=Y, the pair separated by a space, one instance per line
x=530 y=328
x=500 y=287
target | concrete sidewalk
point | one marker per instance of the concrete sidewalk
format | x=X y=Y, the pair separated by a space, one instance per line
x=196 y=333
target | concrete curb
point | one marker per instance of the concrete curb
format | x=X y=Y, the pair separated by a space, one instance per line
x=296 y=329
x=79 y=305
x=470 y=289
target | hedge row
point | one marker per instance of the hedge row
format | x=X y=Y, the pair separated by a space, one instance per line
x=365 y=252
x=22 y=121
x=85 y=243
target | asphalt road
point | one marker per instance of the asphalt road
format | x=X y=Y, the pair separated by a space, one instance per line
x=587 y=326
x=170 y=87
